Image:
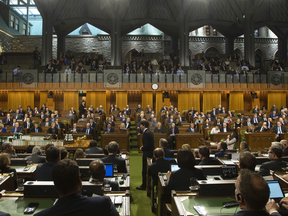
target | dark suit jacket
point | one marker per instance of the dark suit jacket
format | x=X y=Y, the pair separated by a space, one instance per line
x=18 y=117
x=189 y=130
x=285 y=152
x=160 y=165
x=221 y=153
x=35 y=159
x=228 y=129
x=283 y=129
x=180 y=179
x=90 y=132
x=176 y=130
x=120 y=162
x=275 y=165
x=129 y=125
x=111 y=130
x=215 y=123
x=25 y=125
x=94 y=150
x=44 y=171
x=156 y=130
x=51 y=131
x=76 y=205
x=93 y=125
x=32 y=130
x=209 y=161
x=5 y=120
x=263 y=130
x=19 y=129
x=252 y=120
x=45 y=124
x=212 y=113
x=148 y=143
x=112 y=124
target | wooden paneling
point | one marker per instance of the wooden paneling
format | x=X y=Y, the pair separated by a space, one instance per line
x=4 y=100
x=186 y=100
x=210 y=100
x=159 y=102
x=121 y=99
x=236 y=101
x=23 y=98
x=277 y=98
x=43 y=99
x=108 y=102
x=71 y=99
x=147 y=99
x=96 y=99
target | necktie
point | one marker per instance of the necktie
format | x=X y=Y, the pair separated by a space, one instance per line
x=261 y=129
x=108 y=130
x=172 y=130
x=279 y=130
x=36 y=130
x=15 y=130
x=87 y=131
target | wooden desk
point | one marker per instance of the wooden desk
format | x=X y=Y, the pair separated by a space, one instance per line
x=161 y=195
x=7 y=182
x=188 y=138
x=260 y=140
x=27 y=175
x=149 y=185
x=123 y=140
x=219 y=136
x=75 y=145
x=284 y=136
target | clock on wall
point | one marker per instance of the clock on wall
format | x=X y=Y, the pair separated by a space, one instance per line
x=155 y=86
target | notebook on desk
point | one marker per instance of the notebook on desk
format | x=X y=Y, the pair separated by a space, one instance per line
x=276 y=191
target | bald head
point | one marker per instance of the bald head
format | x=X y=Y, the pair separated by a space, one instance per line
x=97 y=169
x=158 y=153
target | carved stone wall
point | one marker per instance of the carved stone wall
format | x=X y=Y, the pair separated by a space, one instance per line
x=5 y=42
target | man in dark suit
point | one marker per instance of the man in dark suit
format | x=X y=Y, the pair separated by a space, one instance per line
x=171 y=120
x=204 y=153
x=36 y=156
x=173 y=130
x=110 y=122
x=119 y=163
x=192 y=129
x=247 y=122
x=214 y=112
x=262 y=128
x=92 y=123
x=97 y=171
x=88 y=129
x=247 y=185
x=279 y=129
x=160 y=164
x=255 y=119
x=17 y=115
x=270 y=123
x=274 y=115
x=191 y=111
x=17 y=128
x=69 y=187
x=75 y=129
x=93 y=149
x=225 y=128
x=109 y=129
x=36 y=129
x=7 y=119
x=147 y=148
x=210 y=118
x=44 y=171
x=275 y=163
x=7 y=148
x=27 y=124
x=128 y=123
x=218 y=122
x=163 y=143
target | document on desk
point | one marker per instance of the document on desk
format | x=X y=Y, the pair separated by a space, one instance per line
x=230 y=162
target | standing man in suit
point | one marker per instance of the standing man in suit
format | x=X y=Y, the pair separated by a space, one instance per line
x=173 y=130
x=147 y=148
x=82 y=108
x=279 y=129
x=118 y=163
x=88 y=129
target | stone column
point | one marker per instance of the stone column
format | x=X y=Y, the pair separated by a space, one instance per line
x=47 y=34
x=61 y=45
x=116 y=43
x=174 y=44
x=282 y=48
x=184 y=42
x=229 y=45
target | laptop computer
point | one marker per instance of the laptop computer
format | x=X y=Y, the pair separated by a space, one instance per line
x=276 y=191
x=174 y=167
x=109 y=170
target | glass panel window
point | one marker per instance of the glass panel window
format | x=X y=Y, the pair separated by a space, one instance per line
x=17 y=24
x=24 y=28
x=12 y=21
x=207 y=29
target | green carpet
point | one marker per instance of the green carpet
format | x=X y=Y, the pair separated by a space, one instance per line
x=140 y=203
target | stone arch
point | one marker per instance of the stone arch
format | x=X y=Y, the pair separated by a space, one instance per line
x=128 y=49
x=238 y=52
x=275 y=54
x=260 y=53
x=212 y=50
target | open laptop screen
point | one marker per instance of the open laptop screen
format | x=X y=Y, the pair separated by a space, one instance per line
x=109 y=170
x=275 y=190
x=174 y=167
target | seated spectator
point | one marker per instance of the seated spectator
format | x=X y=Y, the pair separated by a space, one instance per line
x=36 y=156
x=206 y=124
x=5 y=168
x=46 y=123
x=75 y=129
x=244 y=67
x=79 y=153
x=71 y=202
x=199 y=120
x=163 y=143
x=204 y=153
x=44 y=171
x=285 y=147
x=180 y=179
x=97 y=171
x=186 y=147
x=180 y=71
x=119 y=163
x=88 y=129
x=27 y=124
x=237 y=124
x=247 y=161
x=93 y=66
x=222 y=147
x=275 y=163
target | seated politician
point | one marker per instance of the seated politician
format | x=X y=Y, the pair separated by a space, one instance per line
x=158 y=128
x=109 y=129
x=88 y=129
x=53 y=129
x=2 y=128
x=75 y=129
x=71 y=202
x=163 y=143
x=222 y=147
x=231 y=140
x=204 y=153
x=225 y=128
x=93 y=149
x=192 y=129
x=36 y=128
x=44 y=170
x=180 y=179
x=262 y=128
x=97 y=171
x=160 y=164
x=206 y=124
x=36 y=156
x=119 y=163
x=17 y=128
